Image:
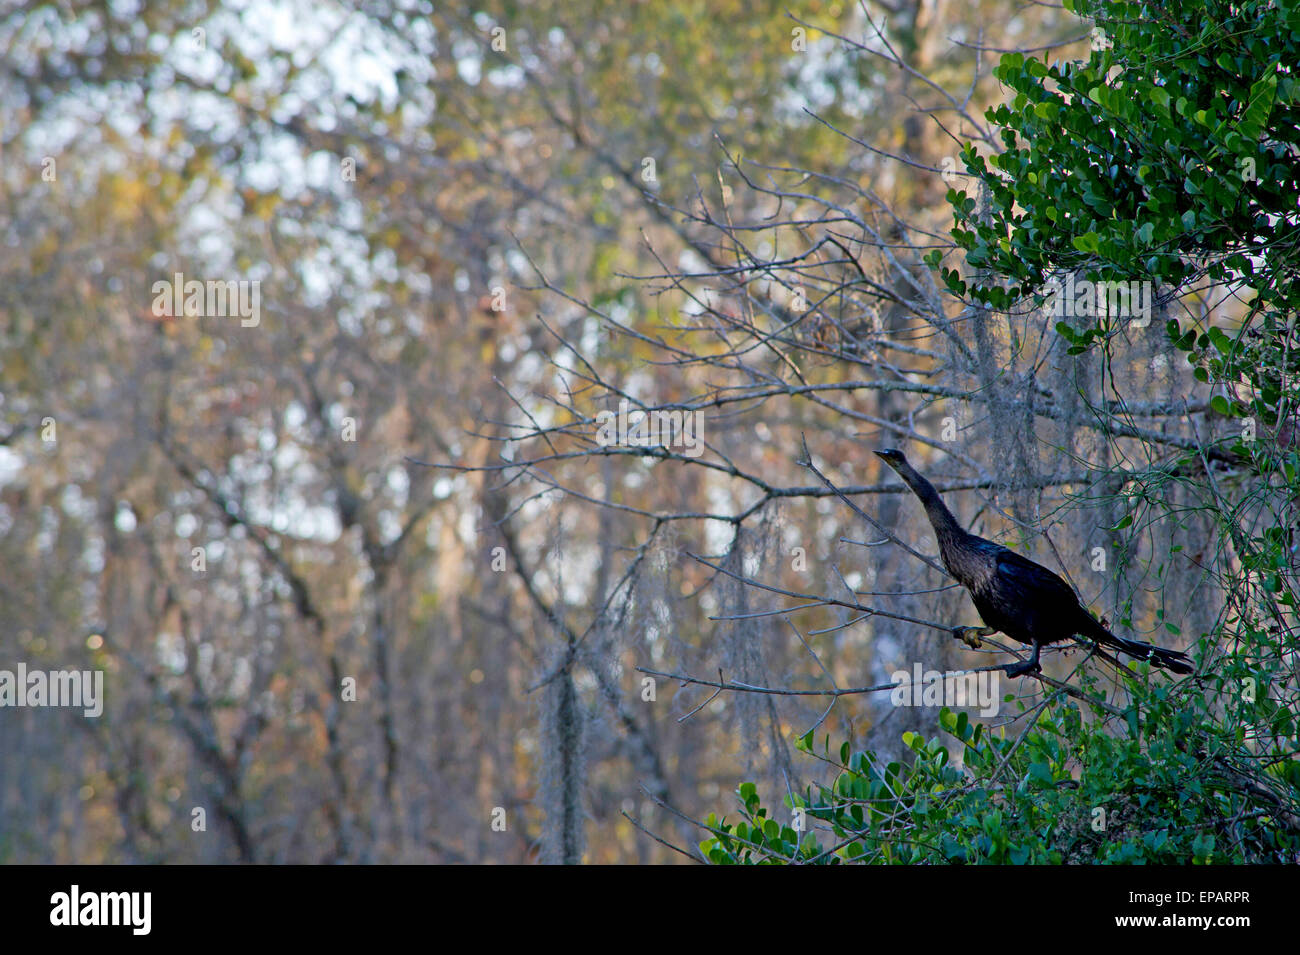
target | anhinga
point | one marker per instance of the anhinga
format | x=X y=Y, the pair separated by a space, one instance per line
x=1014 y=595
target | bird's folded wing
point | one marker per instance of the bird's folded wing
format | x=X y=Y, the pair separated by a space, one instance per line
x=1033 y=581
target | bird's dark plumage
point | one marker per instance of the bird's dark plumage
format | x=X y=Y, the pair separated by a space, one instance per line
x=1014 y=595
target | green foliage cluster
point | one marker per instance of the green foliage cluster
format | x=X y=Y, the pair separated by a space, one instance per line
x=1179 y=777
x=1167 y=154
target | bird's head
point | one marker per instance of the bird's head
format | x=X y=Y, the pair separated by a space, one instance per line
x=893 y=457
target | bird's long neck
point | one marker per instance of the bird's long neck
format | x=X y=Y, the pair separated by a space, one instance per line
x=945 y=526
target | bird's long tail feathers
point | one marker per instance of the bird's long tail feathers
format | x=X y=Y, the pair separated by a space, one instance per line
x=1159 y=657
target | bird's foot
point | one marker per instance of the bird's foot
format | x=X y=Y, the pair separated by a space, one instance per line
x=971 y=635
x=1022 y=668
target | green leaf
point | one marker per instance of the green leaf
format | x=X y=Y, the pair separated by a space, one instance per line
x=1088 y=242
x=1040 y=772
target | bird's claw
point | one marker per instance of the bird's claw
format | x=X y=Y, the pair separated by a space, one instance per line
x=971 y=635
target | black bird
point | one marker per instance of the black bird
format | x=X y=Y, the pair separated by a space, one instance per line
x=1014 y=595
